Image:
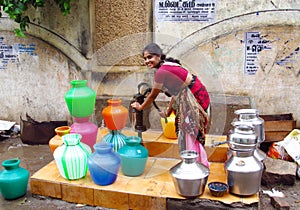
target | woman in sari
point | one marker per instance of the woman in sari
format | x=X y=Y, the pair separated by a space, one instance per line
x=190 y=99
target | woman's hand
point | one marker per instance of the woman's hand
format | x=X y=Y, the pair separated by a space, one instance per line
x=136 y=106
x=162 y=114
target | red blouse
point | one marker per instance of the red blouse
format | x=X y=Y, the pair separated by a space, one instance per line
x=172 y=76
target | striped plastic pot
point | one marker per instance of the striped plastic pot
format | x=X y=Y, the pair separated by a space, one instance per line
x=116 y=138
x=71 y=157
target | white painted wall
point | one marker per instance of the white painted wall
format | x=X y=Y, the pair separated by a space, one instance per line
x=216 y=52
x=34 y=84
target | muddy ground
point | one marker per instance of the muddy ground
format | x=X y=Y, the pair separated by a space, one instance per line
x=35 y=157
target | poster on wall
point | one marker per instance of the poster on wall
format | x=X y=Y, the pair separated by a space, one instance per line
x=7 y=53
x=254 y=43
x=185 y=10
x=10 y=53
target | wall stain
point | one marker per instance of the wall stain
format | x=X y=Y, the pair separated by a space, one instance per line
x=215 y=45
x=289 y=60
x=274 y=4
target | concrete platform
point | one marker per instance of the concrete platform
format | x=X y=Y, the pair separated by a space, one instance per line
x=160 y=146
x=148 y=191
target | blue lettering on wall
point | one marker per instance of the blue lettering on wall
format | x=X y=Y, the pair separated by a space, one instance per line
x=10 y=53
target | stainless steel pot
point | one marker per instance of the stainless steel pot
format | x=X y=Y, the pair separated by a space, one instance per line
x=189 y=176
x=242 y=138
x=251 y=117
x=243 y=169
x=244 y=173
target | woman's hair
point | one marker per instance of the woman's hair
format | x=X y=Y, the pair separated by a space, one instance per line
x=154 y=49
x=169 y=59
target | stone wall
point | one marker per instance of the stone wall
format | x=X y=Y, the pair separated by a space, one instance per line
x=101 y=41
x=34 y=81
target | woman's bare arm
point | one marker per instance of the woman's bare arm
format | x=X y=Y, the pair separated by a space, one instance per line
x=149 y=99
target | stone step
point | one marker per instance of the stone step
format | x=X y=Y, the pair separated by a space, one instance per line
x=160 y=146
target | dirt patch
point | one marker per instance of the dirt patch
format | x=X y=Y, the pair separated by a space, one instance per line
x=291 y=193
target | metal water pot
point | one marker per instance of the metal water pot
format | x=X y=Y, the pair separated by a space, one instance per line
x=242 y=137
x=251 y=117
x=244 y=173
x=189 y=176
x=243 y=170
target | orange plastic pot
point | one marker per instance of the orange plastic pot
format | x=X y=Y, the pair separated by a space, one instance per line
x=115 y=114
x=62 y=130
x=56 y=141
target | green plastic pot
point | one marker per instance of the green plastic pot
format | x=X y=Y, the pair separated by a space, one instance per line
x=80 y=99
x=133 y=156
x=13 y=179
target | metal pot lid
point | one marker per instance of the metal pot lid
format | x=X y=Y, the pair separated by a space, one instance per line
x=246 y=111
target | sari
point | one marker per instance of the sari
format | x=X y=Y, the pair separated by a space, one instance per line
x=191 y=123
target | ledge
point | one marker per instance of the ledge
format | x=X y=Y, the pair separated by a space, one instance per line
x=126 y=192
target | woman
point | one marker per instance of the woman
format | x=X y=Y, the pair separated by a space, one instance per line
x=190 y=99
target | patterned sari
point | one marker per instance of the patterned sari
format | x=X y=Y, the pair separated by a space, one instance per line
x=191 y=123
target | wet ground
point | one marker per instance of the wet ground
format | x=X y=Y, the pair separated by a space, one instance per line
x=34 y=157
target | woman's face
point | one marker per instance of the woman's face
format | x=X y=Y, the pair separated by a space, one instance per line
x=151 y=60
